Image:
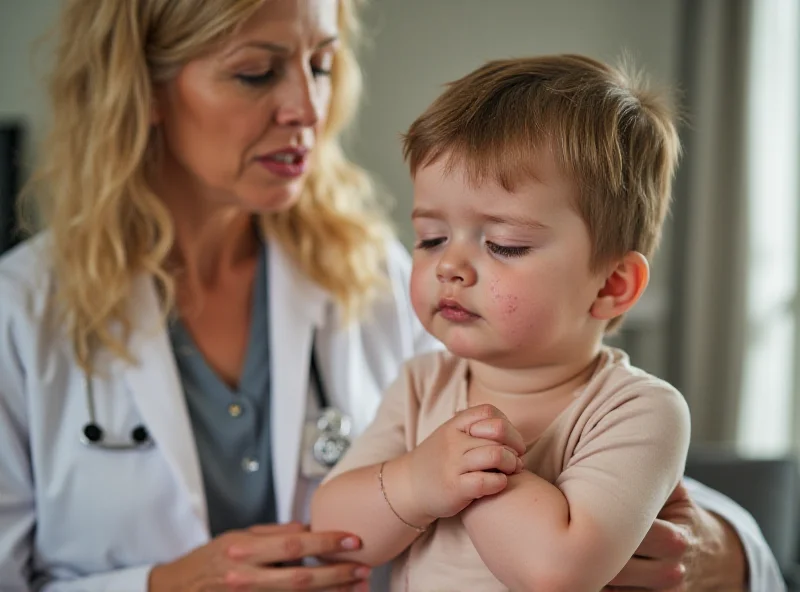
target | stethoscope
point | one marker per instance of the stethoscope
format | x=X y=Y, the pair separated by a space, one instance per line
x=333 y=426
x=94 y=436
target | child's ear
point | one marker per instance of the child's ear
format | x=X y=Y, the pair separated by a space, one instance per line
x=623 y=288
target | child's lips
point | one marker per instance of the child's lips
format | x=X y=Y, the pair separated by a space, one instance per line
x=453 y=311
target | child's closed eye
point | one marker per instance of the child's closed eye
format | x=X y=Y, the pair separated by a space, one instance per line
x=429 y=243
x=507 y=251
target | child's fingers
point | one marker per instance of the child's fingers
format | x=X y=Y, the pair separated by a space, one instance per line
x=490 y=457
x=499 y=430
x=479 y=484
x=463 y=420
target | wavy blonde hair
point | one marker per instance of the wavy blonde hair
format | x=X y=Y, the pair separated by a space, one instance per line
x=107 y=225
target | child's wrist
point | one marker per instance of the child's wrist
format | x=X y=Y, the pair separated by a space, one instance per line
x=398 y=487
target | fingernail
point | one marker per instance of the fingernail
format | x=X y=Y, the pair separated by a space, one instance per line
x=520 y=465
x=350 y=543
x=362 y=573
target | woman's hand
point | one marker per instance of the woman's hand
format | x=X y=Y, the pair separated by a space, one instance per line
x=246 y=560
x=687 y=548
x=466 y=458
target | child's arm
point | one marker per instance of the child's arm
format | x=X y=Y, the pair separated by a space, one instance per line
x=577 y=536
x=388 y=504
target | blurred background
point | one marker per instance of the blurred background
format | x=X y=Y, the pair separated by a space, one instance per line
x=720 y=319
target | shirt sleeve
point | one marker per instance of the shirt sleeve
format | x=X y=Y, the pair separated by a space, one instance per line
x=387 y=436
x=626 y=463
x=765 y=576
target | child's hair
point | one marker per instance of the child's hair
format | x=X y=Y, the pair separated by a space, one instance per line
x=613 y=137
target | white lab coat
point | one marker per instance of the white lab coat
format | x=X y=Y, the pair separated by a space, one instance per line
x=92 y=520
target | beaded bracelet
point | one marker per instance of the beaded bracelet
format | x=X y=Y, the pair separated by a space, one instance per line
x=388 y=503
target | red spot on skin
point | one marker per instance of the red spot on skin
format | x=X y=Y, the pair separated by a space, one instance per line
x=509 y=302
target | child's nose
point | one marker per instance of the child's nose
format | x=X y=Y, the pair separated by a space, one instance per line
x=455 y=266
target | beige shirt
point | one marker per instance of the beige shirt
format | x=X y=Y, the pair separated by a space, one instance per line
x=619 y=447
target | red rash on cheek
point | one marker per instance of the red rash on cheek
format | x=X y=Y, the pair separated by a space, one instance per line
x=508 y=302
x=511 y=304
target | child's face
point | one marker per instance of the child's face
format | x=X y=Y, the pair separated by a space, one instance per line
x=503 y=277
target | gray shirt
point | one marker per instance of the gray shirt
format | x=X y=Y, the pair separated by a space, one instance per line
x=231 y=426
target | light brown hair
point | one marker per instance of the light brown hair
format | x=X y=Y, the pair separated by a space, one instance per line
x=615 y=139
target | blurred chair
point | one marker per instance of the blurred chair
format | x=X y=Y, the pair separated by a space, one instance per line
x=768 y=488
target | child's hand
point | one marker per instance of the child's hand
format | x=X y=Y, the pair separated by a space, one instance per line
x=463 y=460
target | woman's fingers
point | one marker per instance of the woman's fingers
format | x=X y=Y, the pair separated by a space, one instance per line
x=664 y=540
x=491 y=457
x=649 y=574
x=270 y=529
x=500 y=430
x=259 y=549
x=268 y=579
x=360 y=587
x=658 y=563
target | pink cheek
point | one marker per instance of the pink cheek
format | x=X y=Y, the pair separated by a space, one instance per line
x=508 y=303
x=418 y=294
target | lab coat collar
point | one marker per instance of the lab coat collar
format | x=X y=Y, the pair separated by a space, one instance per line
x=296 y=307
x=156 y=388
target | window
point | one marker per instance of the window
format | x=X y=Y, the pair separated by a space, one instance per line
x=770 y=380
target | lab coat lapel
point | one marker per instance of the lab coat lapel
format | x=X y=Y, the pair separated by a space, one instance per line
x=156 y=388
x=296 y=307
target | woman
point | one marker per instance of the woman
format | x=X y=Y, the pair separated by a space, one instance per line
x=192 y=168
x=203 y=231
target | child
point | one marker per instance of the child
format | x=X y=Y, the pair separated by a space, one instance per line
x=529 y=456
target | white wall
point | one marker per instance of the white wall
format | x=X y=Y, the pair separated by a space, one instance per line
x=420 y=44
x=23 y=61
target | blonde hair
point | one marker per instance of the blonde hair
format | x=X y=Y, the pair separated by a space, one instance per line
x=608 y=133
x=107 y=225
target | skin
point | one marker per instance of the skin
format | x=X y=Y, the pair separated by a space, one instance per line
x=264 y=89
x=488 y=249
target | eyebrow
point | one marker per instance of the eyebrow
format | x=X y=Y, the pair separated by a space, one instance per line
x=426 y=213
x=517 y=221
x=280 y=49
x=510 y=220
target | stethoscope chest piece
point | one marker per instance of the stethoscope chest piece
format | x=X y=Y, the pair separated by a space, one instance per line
x=333 y=438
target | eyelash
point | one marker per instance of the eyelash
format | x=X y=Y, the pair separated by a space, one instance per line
x=266 y=77
x=505 y=251
x=501 y=250
x=429 y=243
